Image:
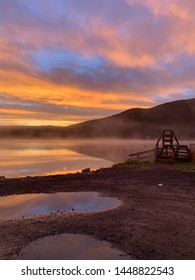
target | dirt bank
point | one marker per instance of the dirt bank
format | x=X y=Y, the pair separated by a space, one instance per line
x=155 y=222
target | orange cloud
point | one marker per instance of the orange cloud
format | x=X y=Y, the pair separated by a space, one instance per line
x=115 y=59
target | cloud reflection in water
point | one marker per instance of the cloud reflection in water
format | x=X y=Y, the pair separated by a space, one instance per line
x=27 y=205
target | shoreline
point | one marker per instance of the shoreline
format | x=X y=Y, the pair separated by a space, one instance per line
x=154 y=222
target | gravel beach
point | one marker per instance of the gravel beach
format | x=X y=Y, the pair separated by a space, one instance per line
x=155 y=221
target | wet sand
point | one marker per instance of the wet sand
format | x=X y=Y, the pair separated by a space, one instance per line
x=155 y=221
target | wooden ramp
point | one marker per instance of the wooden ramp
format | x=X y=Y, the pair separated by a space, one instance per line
x=168 y=147
x=182 y=153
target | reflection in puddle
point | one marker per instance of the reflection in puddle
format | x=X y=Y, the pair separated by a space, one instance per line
x=70 y=247
x=27 y=205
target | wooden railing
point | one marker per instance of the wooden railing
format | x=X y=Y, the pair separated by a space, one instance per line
x=141 y=155
x=192 y=150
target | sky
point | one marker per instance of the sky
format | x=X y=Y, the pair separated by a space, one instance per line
x=68 y=61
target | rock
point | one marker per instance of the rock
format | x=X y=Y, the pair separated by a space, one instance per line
x=86 y=170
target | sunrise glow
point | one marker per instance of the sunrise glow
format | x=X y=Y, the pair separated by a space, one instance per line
x=67 y=61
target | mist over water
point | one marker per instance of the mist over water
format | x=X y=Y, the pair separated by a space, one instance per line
x=46 y=157
x=115 y=150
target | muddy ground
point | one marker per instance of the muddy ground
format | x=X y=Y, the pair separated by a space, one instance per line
x=154 y=222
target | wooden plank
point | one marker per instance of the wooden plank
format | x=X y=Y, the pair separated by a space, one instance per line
x=141 y=153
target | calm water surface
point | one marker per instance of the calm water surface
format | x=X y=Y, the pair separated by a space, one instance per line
x=21 y=158
x=28 y=205
x=70 y=247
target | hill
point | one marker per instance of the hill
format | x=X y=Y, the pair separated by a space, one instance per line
x=133 y=123
x=142 y=123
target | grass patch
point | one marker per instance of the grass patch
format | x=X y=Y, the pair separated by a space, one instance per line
x=184 y=166
x=134 y=165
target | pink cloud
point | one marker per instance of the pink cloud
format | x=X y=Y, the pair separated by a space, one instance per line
x=146 y=50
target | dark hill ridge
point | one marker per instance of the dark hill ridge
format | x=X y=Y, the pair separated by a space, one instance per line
x=142 y=123
x=133 y=123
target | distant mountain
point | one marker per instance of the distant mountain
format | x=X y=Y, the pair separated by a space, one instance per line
x=133 y=123
x=141 y=123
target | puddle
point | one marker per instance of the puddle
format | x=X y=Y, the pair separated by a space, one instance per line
x=70 y=247
x=28 y=205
